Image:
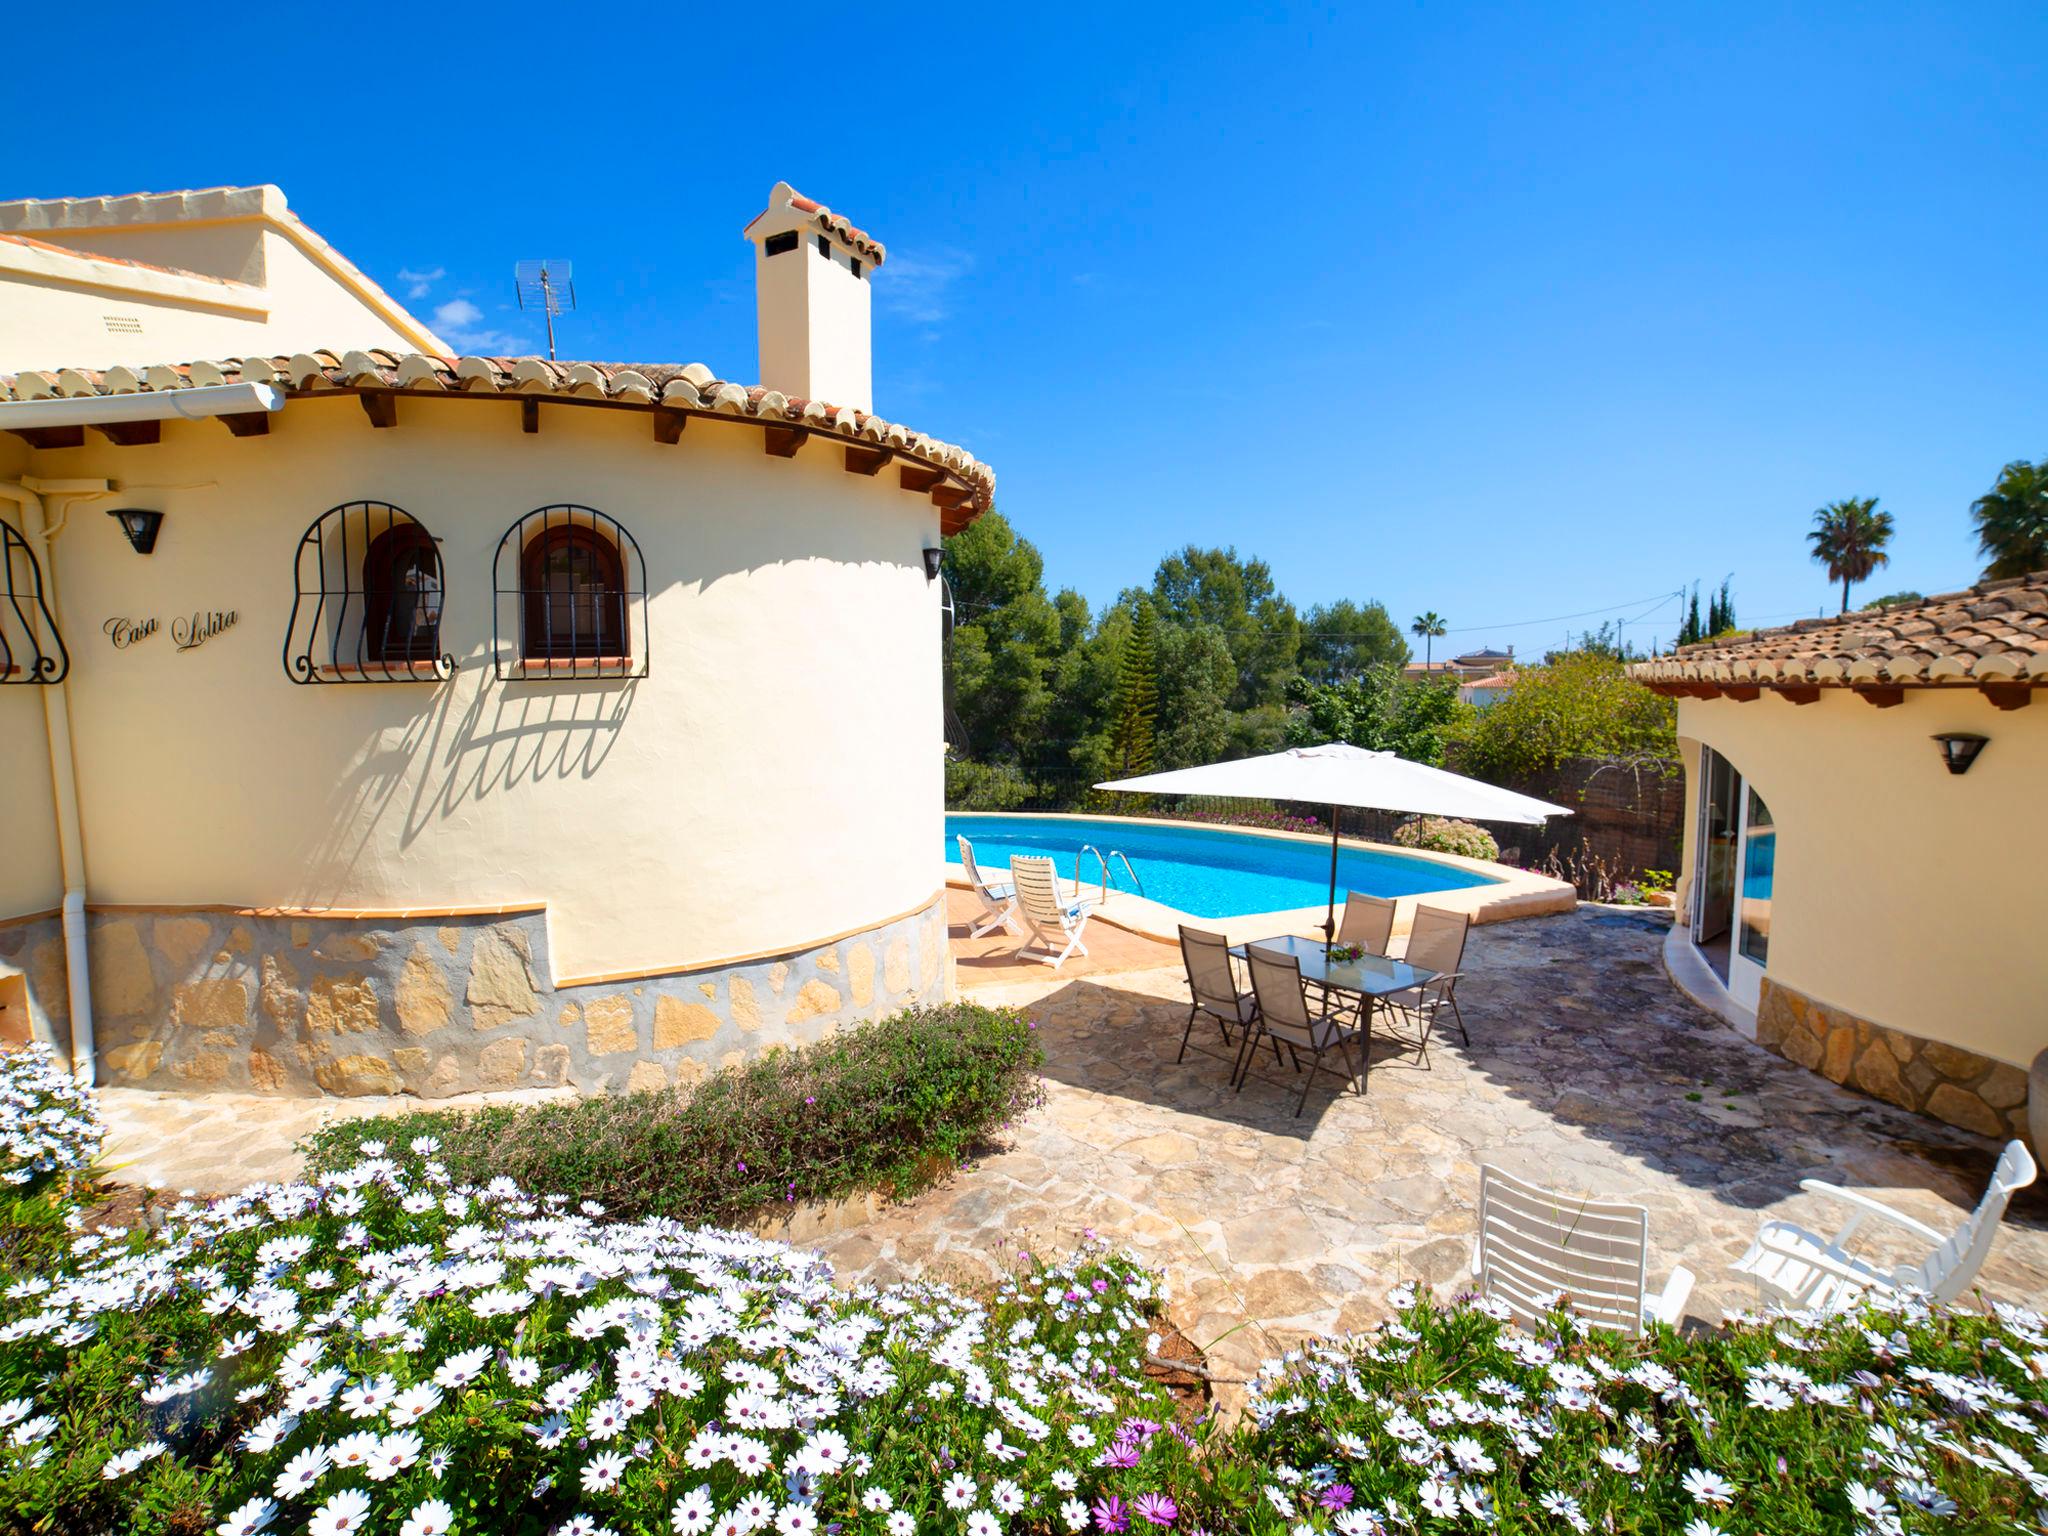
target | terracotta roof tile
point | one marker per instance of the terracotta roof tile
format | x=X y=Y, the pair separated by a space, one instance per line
x=1996 y=632
x=683 y=387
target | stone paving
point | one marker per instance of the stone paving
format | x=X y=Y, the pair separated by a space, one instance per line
x=1588 y=1072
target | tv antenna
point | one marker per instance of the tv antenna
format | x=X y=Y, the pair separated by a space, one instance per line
x=548 y=285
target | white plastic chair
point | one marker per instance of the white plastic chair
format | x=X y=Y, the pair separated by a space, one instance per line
x=998 y=897
x=1056 y=921
x=1535 y=1246
x=1798 y=1268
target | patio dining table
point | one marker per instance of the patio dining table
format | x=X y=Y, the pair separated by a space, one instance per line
x=1369 y=978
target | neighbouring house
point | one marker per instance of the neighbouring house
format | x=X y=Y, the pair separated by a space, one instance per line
x=1864 y=846
x=374 y=720
x=1468 y=668
x=1482 y=691
x=92 y=282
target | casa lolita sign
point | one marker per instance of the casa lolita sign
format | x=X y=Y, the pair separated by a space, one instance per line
x=186 y=634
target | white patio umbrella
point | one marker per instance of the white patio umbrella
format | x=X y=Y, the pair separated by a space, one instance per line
x=1338 y=774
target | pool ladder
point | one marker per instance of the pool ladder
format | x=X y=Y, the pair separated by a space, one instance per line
x=1114 y=853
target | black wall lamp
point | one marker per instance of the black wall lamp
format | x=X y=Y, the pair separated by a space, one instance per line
x=140 y=524
x=1959 y=749
x=932 y=557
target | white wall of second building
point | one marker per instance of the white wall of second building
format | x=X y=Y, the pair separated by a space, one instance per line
x=1902 y=894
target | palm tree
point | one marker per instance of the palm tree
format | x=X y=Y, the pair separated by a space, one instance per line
x=1848 y=538
x=1429 y=626
x=2012 y=521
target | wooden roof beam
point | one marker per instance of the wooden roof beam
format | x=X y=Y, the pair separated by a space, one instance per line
x=248 y=423
x=380 y=406
x=2009 y=695
x=668 y=425
x=916 y=477
x=51 y=437
x=1884 y=697
x=529 y=414
x=128 y=433
x=783 y=442
x=867 y=461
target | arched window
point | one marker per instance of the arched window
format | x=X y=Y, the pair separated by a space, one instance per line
x=575 y=597
x=571 y=598
x=370 y=593
x=402 y=596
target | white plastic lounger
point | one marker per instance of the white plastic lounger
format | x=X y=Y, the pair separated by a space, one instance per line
x=1535 y=1245
x=1798 y=1268
x=1056 y=922
x=998 y=897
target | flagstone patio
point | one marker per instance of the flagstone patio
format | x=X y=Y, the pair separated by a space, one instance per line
x=1588 y=1072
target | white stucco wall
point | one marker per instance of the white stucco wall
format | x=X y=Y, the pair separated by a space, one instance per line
x=1903 y=894
x=775 y=780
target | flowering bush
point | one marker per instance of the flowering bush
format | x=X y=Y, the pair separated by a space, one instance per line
x=1439 y=834
x=1903 y=1418
x=50 y=1132
x=888 y=1105
x=49 y=1125
x=389 y=1352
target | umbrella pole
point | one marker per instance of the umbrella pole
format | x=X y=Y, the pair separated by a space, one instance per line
x=1330 y=915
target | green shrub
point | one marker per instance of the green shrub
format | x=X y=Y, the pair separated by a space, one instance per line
x=886 y=1105
x=50 y=1135
x=985 y=786
x=1439 y=834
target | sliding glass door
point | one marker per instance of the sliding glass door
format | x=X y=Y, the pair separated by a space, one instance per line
x=1735 y=868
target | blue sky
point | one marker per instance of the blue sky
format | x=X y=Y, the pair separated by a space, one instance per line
x=1512 y=312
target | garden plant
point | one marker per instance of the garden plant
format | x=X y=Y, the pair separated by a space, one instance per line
x=391 y=1350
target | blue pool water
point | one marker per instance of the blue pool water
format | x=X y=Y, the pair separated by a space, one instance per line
x=1203 y=871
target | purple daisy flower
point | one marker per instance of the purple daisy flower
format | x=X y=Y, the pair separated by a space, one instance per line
x=1110 y=1516
x=1156 y=1508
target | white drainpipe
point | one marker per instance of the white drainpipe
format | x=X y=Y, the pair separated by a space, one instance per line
x=63 y=776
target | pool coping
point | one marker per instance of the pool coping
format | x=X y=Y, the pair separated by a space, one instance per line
x=1514 y=893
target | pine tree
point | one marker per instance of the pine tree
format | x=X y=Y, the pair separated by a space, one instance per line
x=1132 y=739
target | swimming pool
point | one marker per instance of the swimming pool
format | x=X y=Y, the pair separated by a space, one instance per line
x=1204 y=871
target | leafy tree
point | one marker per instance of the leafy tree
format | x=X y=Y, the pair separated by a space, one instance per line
x=1343 y=638
x=1849 y=538
x=1893 y=600
x=1577 y=704
x=1379 y=710
x=1006 y=639
x=1196 y=675
x=1430 y=626
x=1132 y=742
x=1238 y=597
x=2012 y=521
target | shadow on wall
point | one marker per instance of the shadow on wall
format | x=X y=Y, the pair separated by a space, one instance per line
x=507 y=737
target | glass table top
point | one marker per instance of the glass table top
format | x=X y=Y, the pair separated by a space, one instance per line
x=1372 y=975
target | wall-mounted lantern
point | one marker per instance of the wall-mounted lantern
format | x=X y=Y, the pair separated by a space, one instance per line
x=140 y=524
x=1959 y=749
x=932 y=557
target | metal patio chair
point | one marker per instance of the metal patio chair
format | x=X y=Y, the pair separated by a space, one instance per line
x=1436 y=942
x=1368 y=922
x=1285 y=1018
x=1212 y=986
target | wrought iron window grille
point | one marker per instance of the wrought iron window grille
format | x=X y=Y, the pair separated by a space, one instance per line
x=31 y=650
x=369 y=599
x=570 y=598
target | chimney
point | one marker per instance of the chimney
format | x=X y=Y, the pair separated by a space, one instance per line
x=811 y=274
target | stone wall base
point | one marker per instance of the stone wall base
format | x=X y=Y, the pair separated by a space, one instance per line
x=202 y=1001
x=1945 y=1081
